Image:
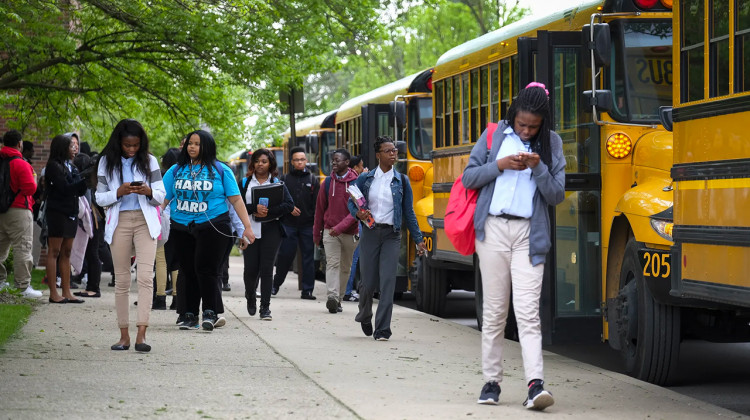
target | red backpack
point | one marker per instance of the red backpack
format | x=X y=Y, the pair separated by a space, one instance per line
x=459 y=214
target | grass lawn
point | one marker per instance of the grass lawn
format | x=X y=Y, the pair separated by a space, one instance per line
x=15 y=309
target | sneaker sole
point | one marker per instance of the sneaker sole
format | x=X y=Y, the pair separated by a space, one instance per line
x=220 y=322
x=208 y=325
x=487 y=402
x=381 y=339
x=267 y=319
x=191 y=327
x=541 y=401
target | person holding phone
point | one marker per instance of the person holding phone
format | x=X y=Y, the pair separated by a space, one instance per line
x=260 y=256
x=130 y=187
x=519 y=180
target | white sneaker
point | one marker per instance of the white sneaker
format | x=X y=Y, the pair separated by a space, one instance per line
x=220 y=322
x=31 y=293
x=4 y=284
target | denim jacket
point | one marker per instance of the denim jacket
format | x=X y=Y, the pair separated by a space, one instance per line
x=403 y=207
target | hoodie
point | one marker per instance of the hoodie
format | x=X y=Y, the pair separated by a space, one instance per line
x=303 y=187
x=331 y=209
x=22 y=180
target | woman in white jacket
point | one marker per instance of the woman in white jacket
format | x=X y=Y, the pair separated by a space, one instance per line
x=131 y=189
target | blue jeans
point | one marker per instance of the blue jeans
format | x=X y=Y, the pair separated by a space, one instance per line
x=302 y=237
x=352 y=272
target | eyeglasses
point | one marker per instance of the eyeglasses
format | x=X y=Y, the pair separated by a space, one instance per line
x=299 y=160
x=390 y=151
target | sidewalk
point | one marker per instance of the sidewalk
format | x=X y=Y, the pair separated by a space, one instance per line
x=306 y=363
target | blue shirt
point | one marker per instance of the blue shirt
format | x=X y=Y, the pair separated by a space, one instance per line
x=514 y=190
x=129 y=201
x=196 y=196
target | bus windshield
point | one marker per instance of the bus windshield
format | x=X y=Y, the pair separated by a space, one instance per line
x=641 y=80
x=420 y=128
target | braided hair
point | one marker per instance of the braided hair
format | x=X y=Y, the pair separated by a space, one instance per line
x=533 y=99
x=380 y=140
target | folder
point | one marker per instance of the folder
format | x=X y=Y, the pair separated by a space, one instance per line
x=273 y=192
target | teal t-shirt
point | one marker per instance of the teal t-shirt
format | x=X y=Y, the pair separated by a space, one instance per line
x=196 y=196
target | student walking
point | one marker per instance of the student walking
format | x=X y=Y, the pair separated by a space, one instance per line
x=518 y=180
x=260 y=256
x=130 y=187
x=390 y=203
x=198 y=188
x=298 y=225
x=336 y=227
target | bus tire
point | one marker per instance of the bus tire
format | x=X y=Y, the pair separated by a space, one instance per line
x=431 y=288
x=478 y=292
x=649 y=331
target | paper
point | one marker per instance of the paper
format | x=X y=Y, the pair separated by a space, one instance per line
x=361 y=202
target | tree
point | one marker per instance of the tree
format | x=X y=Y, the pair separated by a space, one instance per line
x=176 y=64
x=412 y=41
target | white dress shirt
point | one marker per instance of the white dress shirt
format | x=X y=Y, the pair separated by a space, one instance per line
x=380 y=197
x=514 y=190
x=253 y=182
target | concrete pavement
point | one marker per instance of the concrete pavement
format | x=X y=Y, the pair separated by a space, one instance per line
x=306 y=363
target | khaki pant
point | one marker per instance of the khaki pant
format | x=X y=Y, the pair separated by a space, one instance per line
x=132 y=233
x=505 y=264
x=161 y=274
x=16 y=230
x=339 y=252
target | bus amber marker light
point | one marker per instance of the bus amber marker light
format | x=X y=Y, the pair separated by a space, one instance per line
x=619 y=145
x=416 y=173
x=663 y=228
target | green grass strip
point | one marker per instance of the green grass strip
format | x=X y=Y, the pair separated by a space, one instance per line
x=12 y=318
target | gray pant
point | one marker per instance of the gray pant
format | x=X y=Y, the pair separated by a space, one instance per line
x=378 y=259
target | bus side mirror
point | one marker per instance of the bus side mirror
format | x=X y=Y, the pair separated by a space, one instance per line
x=602 y=100
x=665 y=116
x=401 y=146
x=398 y=109
x=601 y=45
x=311 y=141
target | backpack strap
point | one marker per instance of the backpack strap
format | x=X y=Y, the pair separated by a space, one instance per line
x=491 y=127
x=327 y=184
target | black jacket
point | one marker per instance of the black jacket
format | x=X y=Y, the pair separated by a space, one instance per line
x=63 y=188
x=304 y=187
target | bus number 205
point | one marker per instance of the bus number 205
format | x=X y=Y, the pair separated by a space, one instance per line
x=656 y=264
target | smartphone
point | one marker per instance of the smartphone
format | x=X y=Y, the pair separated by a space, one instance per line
x=263 y=201
x=136 y=183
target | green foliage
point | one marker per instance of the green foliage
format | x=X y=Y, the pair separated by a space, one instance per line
x=413 y=41
x=175 y=65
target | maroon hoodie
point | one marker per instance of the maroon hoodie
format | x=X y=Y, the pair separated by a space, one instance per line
x=331 y=210
x=21 y=179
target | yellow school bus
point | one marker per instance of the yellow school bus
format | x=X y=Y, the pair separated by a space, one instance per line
x=238 y=161
x=709 y=293
x=318 y=136
x=402 y=110
x=618 y=159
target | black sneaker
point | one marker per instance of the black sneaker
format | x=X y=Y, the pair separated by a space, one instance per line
x=251 y=308
x=180 y=319
x=226 y=287
x=265 y=314
x=220 y=322
x=173 y=305
x=367 y=328
x=332 y=305
x=307 y=296
x=274 y=291
x=490 y=394
x=538 y=398
x=190 y=322
x=339 y=308
x=209 y=319
x=351 y=298
x=159 y=303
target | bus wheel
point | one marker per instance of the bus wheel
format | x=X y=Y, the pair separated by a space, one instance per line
x=431 y=288
x=649 y=331
x=478 y=292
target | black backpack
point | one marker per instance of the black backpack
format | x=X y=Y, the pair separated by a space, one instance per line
x=7 y=196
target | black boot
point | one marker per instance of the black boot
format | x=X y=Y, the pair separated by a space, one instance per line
x=160 y=303
x=173 y=305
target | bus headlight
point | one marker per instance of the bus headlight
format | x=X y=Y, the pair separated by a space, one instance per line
x=663 y=228
x=619 y=145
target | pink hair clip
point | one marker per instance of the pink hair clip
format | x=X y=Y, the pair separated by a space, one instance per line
x=539 y=85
